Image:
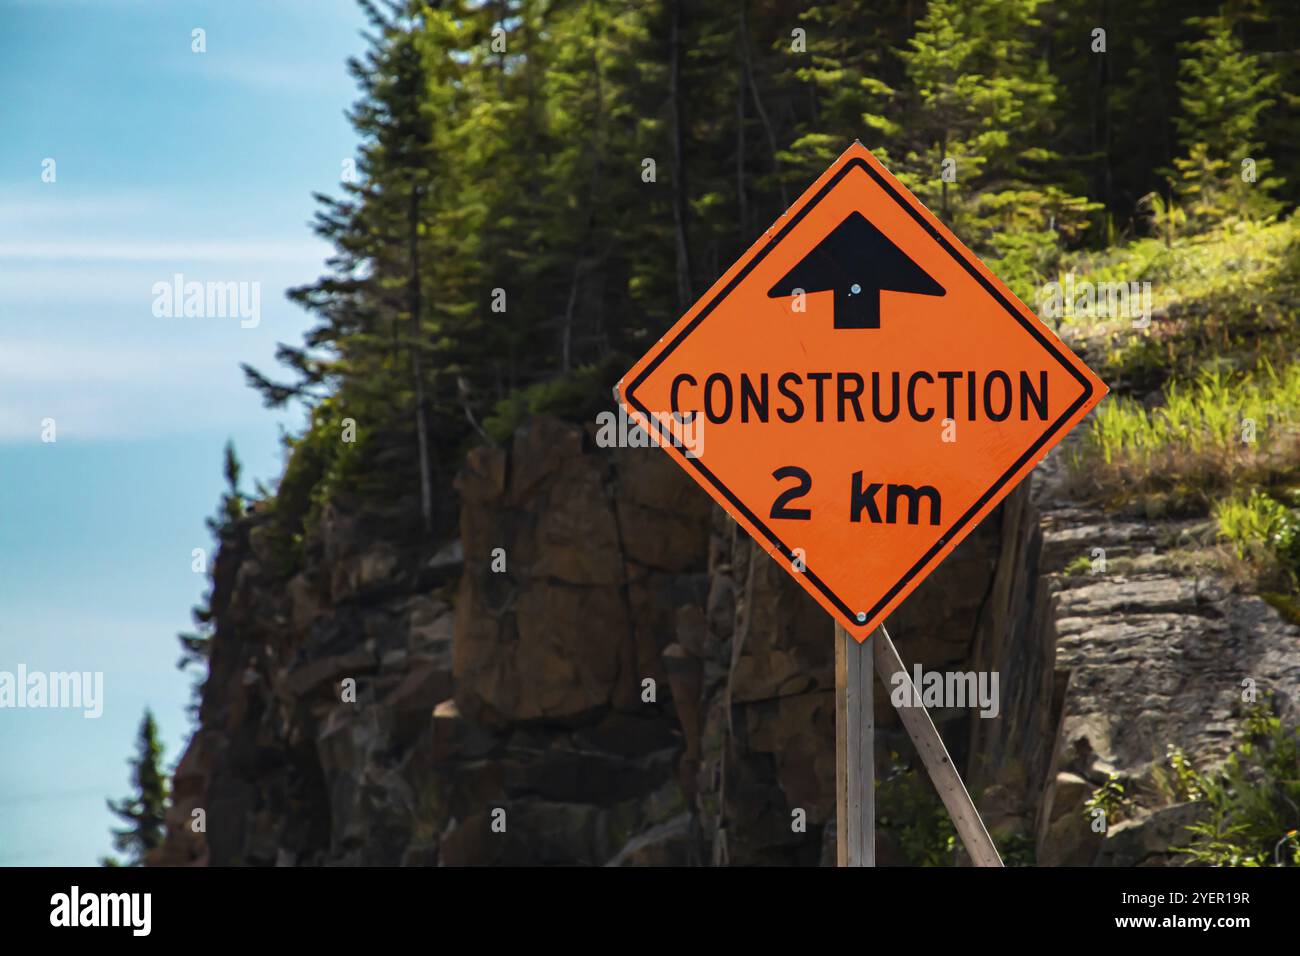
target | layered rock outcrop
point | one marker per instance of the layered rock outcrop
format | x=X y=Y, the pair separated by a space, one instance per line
x=601 y=669
x=1156 y=654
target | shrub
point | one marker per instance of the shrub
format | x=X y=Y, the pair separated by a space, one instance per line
x=1265 y=534
x=1253 y=802
x=911 y=815
x=1110 y=799
x=576 y=397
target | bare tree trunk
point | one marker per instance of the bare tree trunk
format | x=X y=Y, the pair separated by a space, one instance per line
x=597 y=152
x=684 y=294
x=1109 y=187
x=593 y=190
x=742 y=201
x=566 y=332
x=417 y=372
x=501 y=57
x=758 y=102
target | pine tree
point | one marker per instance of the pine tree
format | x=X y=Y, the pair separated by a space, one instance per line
x=378 y=340
x=144 y=811
x=1224 y=90
x=232 y=502
x=852 y=79
x=196 y=644
x=1273 y=32
x=981 y=109
x=1116 y=61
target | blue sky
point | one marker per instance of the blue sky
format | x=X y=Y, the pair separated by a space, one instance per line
x=166 y=161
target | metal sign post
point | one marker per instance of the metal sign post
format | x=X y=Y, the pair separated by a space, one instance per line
x=855 y=777
x=934 y=755
x=855 y=782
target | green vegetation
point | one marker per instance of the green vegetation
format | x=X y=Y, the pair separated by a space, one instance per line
x=1079 y=565
x=1252 y=816
x=578 y=396
x=980 y=108
x=1227 y=296
x=1221 y=435
x=1205 y=416
x=143 y=813
x=1264 y=533
x=912 y=821
x=1218 y=433
x=1224 y=174
x=542 y=187
x=911 y=817
x=1110 y=799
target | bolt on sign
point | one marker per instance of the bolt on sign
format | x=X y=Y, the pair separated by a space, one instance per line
x=862 y=389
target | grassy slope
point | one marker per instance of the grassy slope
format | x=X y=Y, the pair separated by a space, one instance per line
x=1204 y=417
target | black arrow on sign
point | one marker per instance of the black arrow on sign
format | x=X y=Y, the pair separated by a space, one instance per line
x=857 y=262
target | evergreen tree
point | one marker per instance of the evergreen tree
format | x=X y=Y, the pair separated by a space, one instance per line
x=143 y=813
x=377 y=339
x=1224 y=90
x=1271 y=30
x=980 y=117
x=1116 y=62
x=852 y=77
x=196 y=644
x=543 y=185
x=232 y=502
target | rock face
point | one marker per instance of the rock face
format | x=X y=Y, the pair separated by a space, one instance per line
x=769 y=693
x=1154 y=655
x=601 y=670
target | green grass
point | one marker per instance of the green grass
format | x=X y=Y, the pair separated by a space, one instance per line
x=1222 y=432
x=1078 y=566
x=1264 y=534
x=1204 y=416
x=1229 y=296
x=1253 y=522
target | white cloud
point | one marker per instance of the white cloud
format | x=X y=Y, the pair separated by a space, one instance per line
x=122 y=390
x=23 y=363
x=58 y=207
x=276 y=76
x=117 y=250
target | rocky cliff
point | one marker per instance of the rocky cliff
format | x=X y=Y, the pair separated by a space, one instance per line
x=600 y=654
x=603 y=669
x=1157 y=650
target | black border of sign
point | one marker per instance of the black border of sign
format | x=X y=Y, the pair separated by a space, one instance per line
x=855 y=163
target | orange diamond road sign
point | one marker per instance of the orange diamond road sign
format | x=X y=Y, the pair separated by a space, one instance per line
x=859 y=391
